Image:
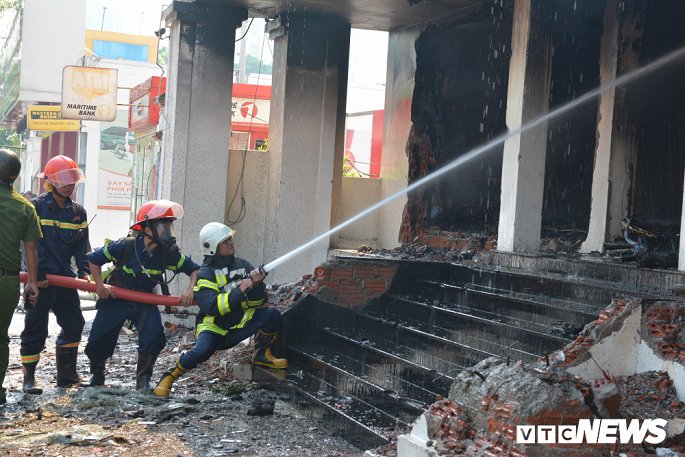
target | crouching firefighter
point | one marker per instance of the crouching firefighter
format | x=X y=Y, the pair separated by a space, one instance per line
x=65 y=237
x=140 y=263
x=231 y=295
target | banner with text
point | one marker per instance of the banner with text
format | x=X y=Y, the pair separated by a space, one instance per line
x=115 y=174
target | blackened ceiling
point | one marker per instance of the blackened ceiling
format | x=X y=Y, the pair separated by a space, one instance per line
x=363 y=14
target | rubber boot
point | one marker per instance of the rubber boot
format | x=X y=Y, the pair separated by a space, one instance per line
x=97 y=371
x=263 y=354
x=146 y=363
x=164 y=386
x=66 y=357
x=29 y=386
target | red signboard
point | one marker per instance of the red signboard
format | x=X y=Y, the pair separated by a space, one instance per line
x=145 y=106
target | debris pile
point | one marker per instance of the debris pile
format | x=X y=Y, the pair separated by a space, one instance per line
x=488 y=401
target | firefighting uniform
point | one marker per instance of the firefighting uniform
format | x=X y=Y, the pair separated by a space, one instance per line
x=65 y=236
x=19 y=222
x=140 y=271
x=227 y=315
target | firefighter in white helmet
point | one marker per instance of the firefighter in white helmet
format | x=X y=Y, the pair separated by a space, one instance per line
x=232 y=298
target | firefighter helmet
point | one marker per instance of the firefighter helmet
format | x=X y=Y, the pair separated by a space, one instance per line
x=61 y=171
x=10 y=166
x=155 y=210
x=212 y=235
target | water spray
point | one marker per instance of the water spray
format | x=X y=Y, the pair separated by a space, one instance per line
x=472 y=154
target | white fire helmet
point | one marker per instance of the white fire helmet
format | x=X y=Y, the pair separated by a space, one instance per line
x=212 y=235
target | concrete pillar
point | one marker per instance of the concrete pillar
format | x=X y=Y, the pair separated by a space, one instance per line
x=197 y=121
x=616 y=149
x=523 y=167
x=306 y=137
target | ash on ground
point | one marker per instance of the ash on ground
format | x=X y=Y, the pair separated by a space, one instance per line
x=209 y=413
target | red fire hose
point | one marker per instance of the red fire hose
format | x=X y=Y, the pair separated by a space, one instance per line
x=118 y=292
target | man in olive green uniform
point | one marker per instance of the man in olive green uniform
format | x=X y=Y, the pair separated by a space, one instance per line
x=19 y=222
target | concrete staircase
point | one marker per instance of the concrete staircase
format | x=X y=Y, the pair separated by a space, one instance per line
x=374 y=369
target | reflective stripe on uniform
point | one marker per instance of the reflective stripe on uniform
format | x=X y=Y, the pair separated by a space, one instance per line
x=246 y=317
x=180 y=263
x=222 y=304
x=109 y=256
x=221 y=280
x=30 y=358
x=132 y=272
x=205 y=283
x=248 y=304
x=208 y=325
x=63 y=225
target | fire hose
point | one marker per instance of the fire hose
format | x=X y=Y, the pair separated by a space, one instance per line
x=118 y=292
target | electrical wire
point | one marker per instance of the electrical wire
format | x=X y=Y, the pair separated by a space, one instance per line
x=240 y=187
x=244 y=34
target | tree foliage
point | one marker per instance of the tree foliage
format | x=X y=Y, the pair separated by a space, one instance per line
x=252 y=66
x=10 y=140
x=9 y=5
x=163 y=56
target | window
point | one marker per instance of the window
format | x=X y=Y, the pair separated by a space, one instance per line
x=125 y=51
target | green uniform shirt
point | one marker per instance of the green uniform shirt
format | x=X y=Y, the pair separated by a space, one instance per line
x=18 y=222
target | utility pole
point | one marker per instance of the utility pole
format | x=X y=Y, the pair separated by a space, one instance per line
x=104 y=9
x=242 y=77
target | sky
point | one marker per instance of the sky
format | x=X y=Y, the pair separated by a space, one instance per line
x=368 y=49
x=137 y=17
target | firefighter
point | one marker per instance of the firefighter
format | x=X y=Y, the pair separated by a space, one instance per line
x=65 y=237
x=140 y=263
x=231 y=295
x=18 y=223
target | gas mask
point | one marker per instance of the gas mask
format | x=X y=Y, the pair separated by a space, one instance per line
x=163 y=233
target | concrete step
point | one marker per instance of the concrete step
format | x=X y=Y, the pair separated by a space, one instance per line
x=538 y=310
x=493 y=336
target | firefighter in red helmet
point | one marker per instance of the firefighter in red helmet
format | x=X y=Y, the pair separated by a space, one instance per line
x=140 y=263
x=65 y=237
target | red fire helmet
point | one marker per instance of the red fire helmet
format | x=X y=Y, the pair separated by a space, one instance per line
x=156 y=210
x=62 y=171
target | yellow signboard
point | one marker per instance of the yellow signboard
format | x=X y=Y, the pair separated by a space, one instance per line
x=45 y=117
x=89 y=93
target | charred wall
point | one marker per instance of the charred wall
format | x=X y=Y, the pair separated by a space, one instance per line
x=459 y=102
x=657 y=103
x=577 y=29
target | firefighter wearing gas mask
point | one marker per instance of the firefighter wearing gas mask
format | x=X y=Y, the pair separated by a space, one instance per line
x=65 y=237
x=231 y=295
x=141 y=262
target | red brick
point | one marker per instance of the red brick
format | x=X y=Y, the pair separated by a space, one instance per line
x=322 y=272
x=333 y=285
x=350 y=286
x=342 y=273
x=358 y=298
x=374 y=285
x=386 y=272
x=365 y=272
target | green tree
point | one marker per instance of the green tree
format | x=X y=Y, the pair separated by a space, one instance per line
x=252 y=66
x=9 y=5
x=10 y=140
x=163 y=56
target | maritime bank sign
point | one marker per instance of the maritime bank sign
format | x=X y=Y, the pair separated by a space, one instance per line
x=89 y=93
x=599 y=431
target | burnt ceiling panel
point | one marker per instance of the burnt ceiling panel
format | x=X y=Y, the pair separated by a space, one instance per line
x=364 y=14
